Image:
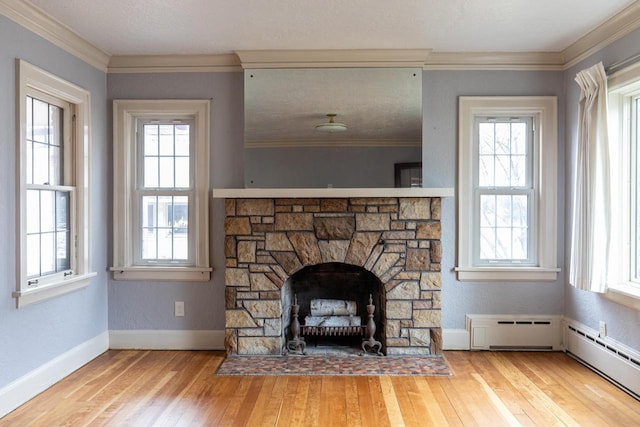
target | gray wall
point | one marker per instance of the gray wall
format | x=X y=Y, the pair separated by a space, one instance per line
x=150 y=305
x=589 y=308
x=36 y=334
x=440 y=129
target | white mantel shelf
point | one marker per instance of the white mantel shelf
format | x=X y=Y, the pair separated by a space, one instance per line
x=286 y=193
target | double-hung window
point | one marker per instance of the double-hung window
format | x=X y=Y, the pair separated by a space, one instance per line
x=52 y=177
x=504 y=193
x=161 y=185
x=507 y=188
x=624 y=129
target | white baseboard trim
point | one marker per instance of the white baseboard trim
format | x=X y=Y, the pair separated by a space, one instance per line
x=167 y=339
x=606 y=356
x=35 y=382
x=455 y=339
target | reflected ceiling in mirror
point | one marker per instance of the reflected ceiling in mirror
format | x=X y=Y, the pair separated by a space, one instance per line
x=379 y=106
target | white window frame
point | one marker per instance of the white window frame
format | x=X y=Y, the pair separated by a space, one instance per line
x=543 y=110
x=623 y=87
x=31 y=78
x=125 y=114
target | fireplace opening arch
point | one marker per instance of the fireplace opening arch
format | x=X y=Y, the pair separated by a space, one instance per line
x=335 y=281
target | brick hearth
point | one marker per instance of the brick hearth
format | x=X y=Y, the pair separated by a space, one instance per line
x=397 y=239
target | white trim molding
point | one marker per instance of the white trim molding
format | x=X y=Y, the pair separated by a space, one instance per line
x=456 y=339
x=174 y=63
x=31 y=78
x=509 y=61
x=125 y=114
x=39 y=22
x=333 y=58
x=167 y=339
x=544 y=109
x=615 y=28
x=35 y=382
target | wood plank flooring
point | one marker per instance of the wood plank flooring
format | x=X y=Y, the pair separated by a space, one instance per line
x=178 y=388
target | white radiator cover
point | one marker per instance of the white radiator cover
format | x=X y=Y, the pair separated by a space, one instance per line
x=515 y=332
x=606 y=356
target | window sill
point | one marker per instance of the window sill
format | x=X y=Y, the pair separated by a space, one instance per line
x=44 y=292
x=164 y=274
x=507 y=274
x=625 y=295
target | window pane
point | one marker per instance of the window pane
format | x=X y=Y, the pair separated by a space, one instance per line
x=33 y=255
x=63 y=261
x=150 y=140
x=182 y=172
x=55 y=166
x=166 y=140
x=487 y=243
x=55 y=125
x=40 y=121
x=488 y=211
x=47 y=255
x=182 y=140
x=149 y=204
x=486 y=166
x=33 y=211
x=40 y=163
x=150 y=172
x=503 y=154
x=503 y=138
x=165 y=231
x=503 y=211
x=503 y=171
x=47 y=211
x=518 y=171
x=166 y=172
x=62 y=211
x=520 y=211
x=519 y=138
x=486 y=137
x=503 y=243
x=519 y=244
x=149 y=243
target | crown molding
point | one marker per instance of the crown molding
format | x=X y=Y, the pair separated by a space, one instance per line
x=545 y=61
x=174 y=63
x=38 y=22
x=618 y=26
x=34 y=19
x=333 y=58
x=332 y=143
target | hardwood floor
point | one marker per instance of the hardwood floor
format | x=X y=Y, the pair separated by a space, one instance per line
x=170 y=388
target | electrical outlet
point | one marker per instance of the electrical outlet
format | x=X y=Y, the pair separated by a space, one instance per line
x=603 y=329
x=179 y=308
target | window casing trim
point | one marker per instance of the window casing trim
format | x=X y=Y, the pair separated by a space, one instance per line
x=624 y=89
x=544 y=111
x=33 y=79
x=125 y=115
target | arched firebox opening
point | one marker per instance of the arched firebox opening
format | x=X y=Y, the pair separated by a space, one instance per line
x=341 y=284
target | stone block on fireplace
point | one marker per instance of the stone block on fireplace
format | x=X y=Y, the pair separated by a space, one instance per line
x=393 y=242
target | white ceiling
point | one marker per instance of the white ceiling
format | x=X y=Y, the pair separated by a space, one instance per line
x=155 y=27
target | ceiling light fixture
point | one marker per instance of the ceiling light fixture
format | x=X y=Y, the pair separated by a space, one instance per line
x=331 y=126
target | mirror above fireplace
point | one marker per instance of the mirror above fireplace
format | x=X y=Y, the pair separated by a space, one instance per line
x=380 y=108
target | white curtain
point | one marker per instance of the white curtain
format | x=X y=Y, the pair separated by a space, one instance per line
x=591 y=227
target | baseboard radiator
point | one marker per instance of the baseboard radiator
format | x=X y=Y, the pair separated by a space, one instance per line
x=609 y=358
x=515 y=332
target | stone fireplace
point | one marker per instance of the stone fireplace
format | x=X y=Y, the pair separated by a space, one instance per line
x=385 y=246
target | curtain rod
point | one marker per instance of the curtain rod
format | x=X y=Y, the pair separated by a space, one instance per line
x=616 y=66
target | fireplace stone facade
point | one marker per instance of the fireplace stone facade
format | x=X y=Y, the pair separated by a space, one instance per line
x=397 y=239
